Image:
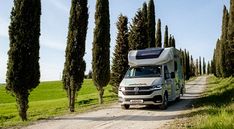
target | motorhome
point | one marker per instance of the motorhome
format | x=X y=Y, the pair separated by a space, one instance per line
x=155 y=77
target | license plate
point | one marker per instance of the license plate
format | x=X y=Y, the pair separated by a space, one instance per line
x=136 y=101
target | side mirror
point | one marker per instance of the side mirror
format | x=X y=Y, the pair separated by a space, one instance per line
x=172 y=74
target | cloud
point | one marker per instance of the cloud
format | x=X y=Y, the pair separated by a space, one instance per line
x=59 y=5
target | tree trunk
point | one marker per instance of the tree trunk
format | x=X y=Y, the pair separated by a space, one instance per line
x=72 y=101
x=22 y=100
x=101 y=92
x=69 y=95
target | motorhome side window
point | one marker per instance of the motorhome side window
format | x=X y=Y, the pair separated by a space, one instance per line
x=144 y=71
x=167 y=75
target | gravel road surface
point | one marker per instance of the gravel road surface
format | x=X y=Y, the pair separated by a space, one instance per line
x=137 y=117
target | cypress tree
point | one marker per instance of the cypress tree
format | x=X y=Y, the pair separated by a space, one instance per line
x=200 y=66
x=188 y=70
x=173 y=42
x=213 y=64
x=145 y=23
x=204 y=66
x=208 y=68
x=170 y=41
x=138 y=33
x=218 y=58
x=166 y=44
x=101 y=47
x=74 y=66
x=120 y=60
x=151 y=24
x=230 y=46
x=23 y=72
x=197 y=68
x=159 y=34
x=224 y=42
x=192 y=67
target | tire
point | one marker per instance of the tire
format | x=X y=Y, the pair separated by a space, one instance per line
x=165 y=103
x=125 y=106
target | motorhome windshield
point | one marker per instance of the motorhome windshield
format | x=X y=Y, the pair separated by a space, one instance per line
x=144 y=71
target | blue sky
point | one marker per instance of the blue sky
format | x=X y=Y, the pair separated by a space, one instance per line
x=196 y=25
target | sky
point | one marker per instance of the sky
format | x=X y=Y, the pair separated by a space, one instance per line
x=195 y=24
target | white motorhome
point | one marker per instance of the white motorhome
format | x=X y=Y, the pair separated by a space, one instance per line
x=155 y=77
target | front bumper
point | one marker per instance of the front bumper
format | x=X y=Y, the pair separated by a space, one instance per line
x=153 y=99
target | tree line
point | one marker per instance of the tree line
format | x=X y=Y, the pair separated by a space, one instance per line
x=23 y=70
x=222 y=64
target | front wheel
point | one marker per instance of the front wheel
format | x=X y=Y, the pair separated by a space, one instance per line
x=165 y=102
x=125 y=106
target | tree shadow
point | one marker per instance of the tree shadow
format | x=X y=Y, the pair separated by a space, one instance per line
x=218 y=99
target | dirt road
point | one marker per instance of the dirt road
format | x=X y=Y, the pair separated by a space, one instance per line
x=138 y=117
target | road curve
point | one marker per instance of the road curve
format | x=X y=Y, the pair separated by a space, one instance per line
x=137 y=117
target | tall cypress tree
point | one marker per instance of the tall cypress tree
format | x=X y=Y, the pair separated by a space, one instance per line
x=173 y=42
x=213 y=63
x=218 y=58
x=188 y=70
x=170 y=41
x=224 y=42
x=145 y=23
x=159 y=34
x=101 y=47
x=138 y=33
x=204 y=66
x=166 y=44
x=208 y=68
x=23 y=72
x=74 y=66
x=230 y=47
x=200 y=66
x=151 y=24
x=197 y=68
x=120 y=60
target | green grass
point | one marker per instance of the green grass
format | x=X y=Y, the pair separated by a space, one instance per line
x=49 y=100
x=215 y=110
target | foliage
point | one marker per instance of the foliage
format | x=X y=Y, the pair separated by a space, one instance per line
x=223 y=61
x=23 y=72
x=159 y=34
x=166 y=43
x=74 y=67
x=120 y=60
x=138 y=33
x=151 y=24
x=101 y=47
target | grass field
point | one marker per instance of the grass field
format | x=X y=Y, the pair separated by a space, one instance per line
x=49 y=100
x=215 y=110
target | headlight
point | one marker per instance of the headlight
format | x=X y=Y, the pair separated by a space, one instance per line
x=157 y=87
x=121 y=88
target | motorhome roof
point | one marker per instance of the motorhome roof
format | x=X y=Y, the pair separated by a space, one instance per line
x=151 y=56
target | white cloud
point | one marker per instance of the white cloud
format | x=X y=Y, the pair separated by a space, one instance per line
x=59 y=5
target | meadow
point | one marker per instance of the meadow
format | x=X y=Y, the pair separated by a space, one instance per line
x=49 y=100
x=214 y=110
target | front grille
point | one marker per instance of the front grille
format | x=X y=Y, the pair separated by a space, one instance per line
x=141 y=90
x=137 y=92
